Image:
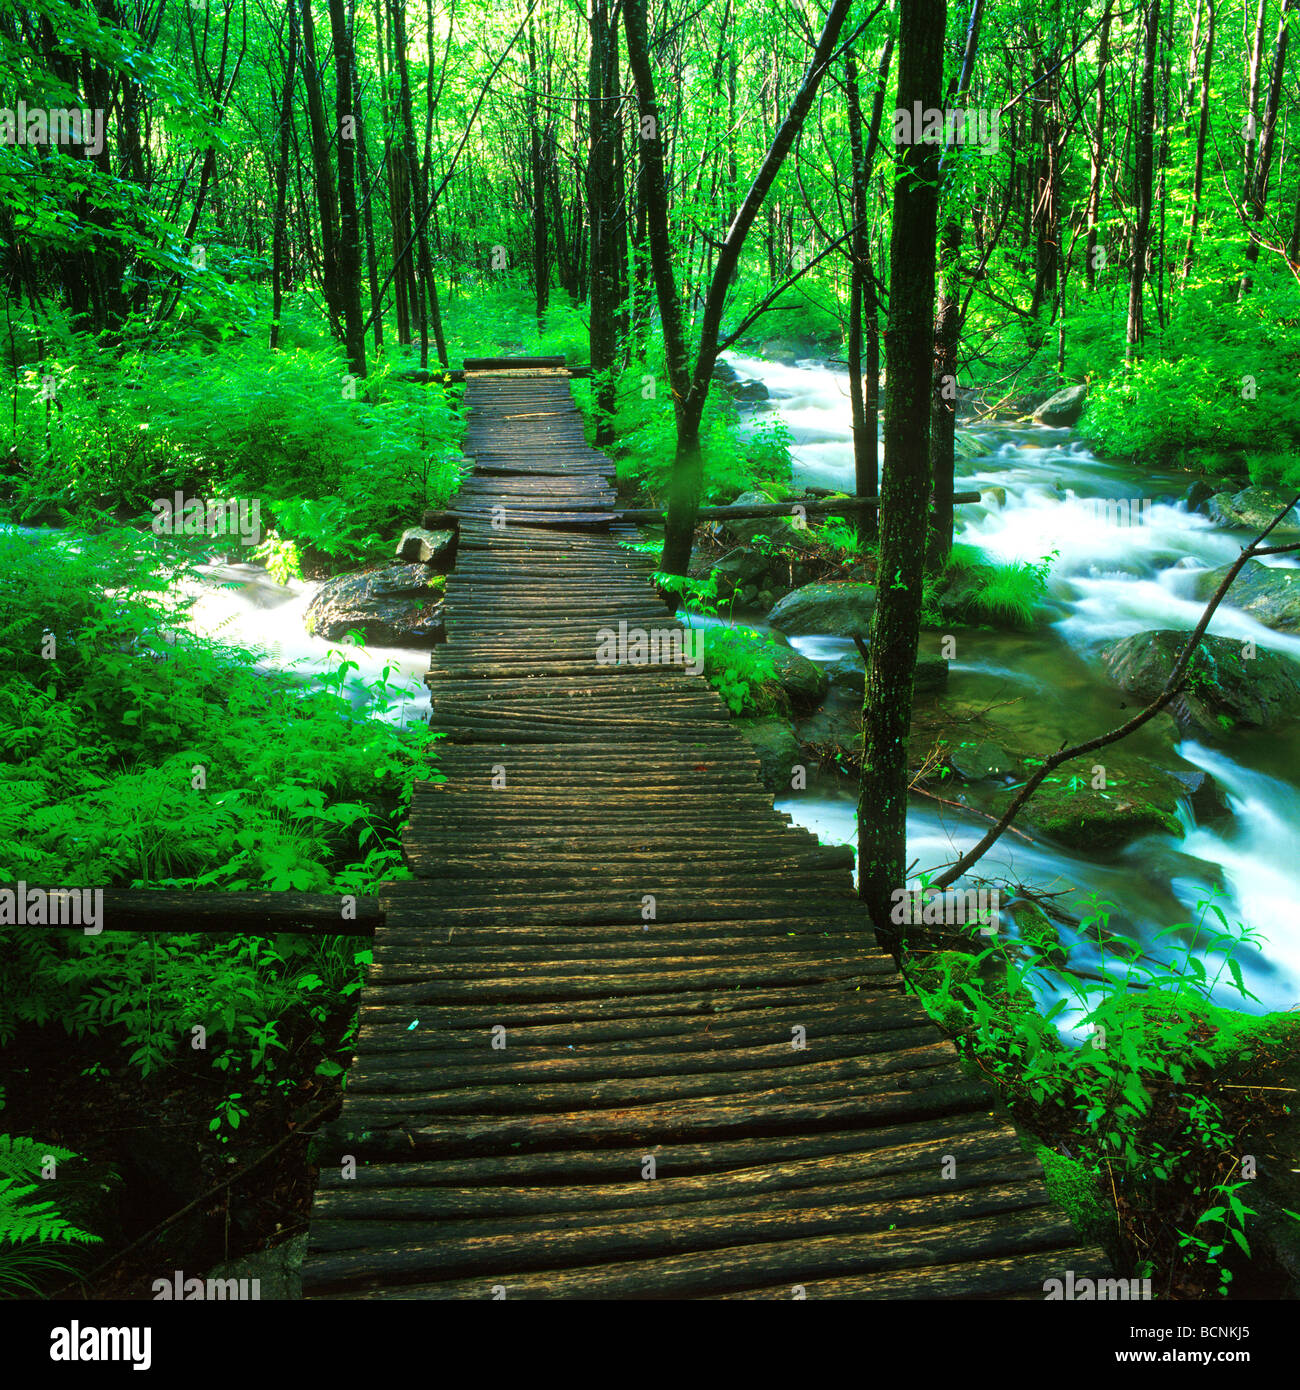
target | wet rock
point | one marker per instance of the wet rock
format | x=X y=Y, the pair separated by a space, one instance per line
x=850 y=674
x=278 y=1271
x=967 y=446
x=1252 y=509
x=833 y=610
x=1225 y=689
x=399 y=606
x=1063 y=408
x=804 y=682
x=1196 y=496
x=1138 y=799
x=1269 y=593
x=1204 y=795
x=436 y=548
x=779 y=751
x=779 y=528
x=982 y=761
x=747 y=391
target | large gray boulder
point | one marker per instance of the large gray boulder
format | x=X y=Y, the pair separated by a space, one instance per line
x=1269 y=593
x=1252 y=509
x=1226 y=689
x=1063 y=408
x=398 y=606
x=834 y=610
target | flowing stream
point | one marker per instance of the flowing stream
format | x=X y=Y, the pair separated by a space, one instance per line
x=1107 y=581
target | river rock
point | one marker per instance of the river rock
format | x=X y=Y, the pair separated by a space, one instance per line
x=1269 y=593
x=1225 y=689
x=981 y=761
x=1204 y=795
x=398 y=606
x=1063 y=408
x=779 y=751
x=967 y=446
x=850 y=674
x=832 y=610
x=804 y=681
x=437 y=548
x=1138 y=799
x=1196 y=496
x=780 y=528
x=1252 y=509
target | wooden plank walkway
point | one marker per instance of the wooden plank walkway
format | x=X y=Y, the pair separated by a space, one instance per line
x=626 y=1034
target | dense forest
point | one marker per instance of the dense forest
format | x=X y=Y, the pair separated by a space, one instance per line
x=984 y=320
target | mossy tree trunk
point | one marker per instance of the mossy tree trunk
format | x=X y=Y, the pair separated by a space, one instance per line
x=905 y=489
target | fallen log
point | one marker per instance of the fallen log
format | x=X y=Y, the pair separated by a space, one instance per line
x=806 y=507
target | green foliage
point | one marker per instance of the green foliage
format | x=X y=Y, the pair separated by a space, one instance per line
x=1135 y=1097
x=97 y=787
x=31 y=1230
x=328 y=471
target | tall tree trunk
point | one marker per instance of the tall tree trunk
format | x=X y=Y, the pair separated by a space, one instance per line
x=602 y=215
x=326 y=199
x=688 y=469
x=1135 y=328
x=541 y=271
x=282 y=180
x=862 y=293
x=349 y=281
x=1198 y=174
x=905 y=491
x=1098 y=155
x=1257 y=200
x=947 y=331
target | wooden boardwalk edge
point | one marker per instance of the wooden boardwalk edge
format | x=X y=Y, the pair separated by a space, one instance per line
x=626 y=1034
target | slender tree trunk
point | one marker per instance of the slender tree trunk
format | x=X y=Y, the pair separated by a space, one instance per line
x=326 y=199
x=1135 y=327
x=863 y=395
x=947 y=331
x=602 y=215
x=1198 y=174
x=349 y=281
x=905 y=490
x=1098 y=152
x=1257 y=201
x=282 y=180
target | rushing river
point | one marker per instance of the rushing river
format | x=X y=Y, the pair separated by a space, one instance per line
x=1107 y=581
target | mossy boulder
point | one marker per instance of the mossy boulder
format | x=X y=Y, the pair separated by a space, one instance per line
x=835 y=610
x=849 y=673
x=1252 y=509
x=1269 y=593
x=397 y=606
x=803 y=682
x=1063 y=407
x=1226 y=688
x=1138 y=799
x=779 y=751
